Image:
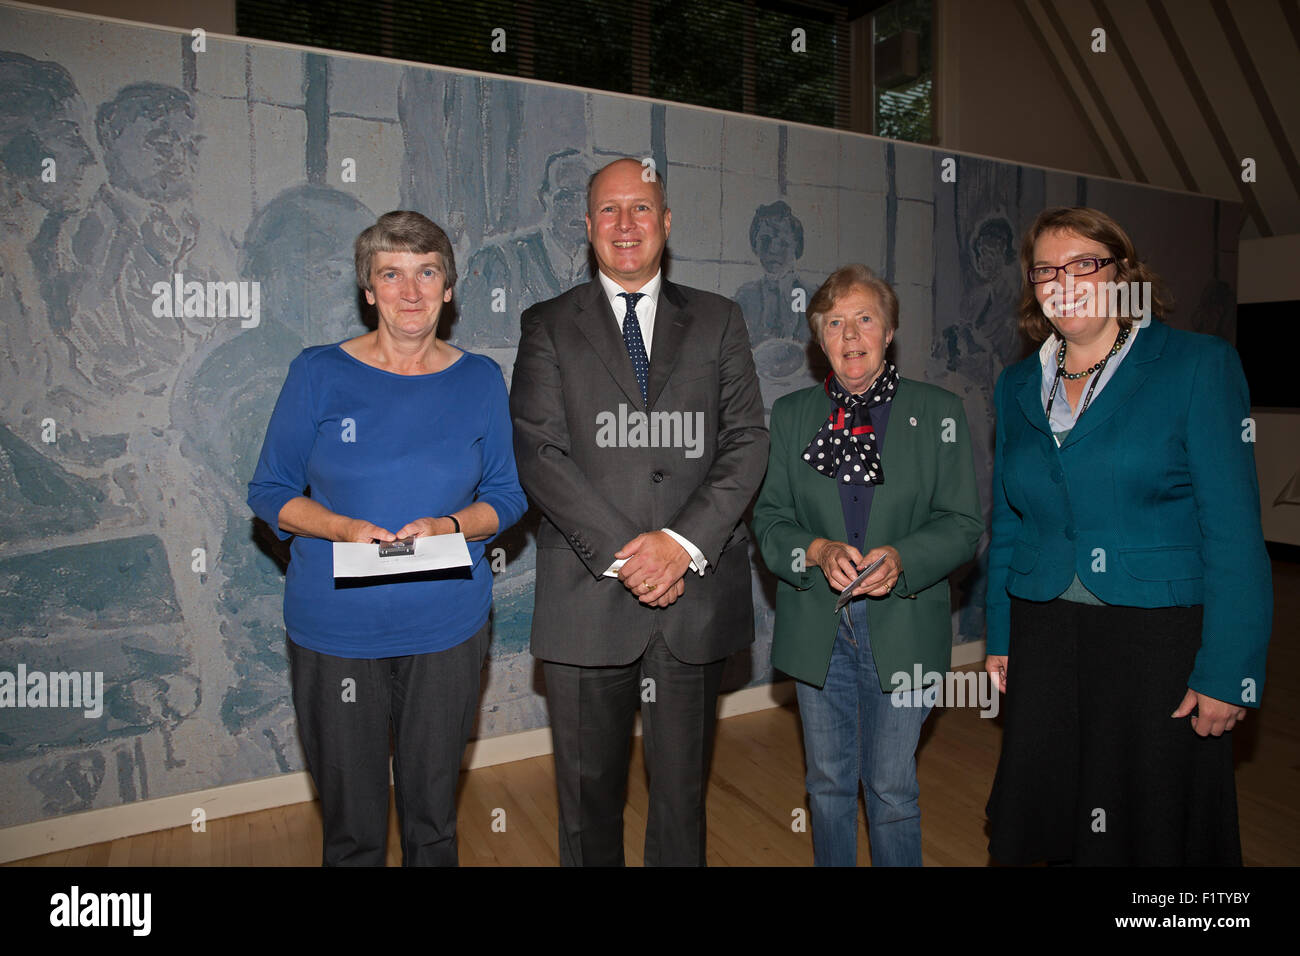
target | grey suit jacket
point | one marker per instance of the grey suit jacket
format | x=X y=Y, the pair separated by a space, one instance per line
x=601 y=477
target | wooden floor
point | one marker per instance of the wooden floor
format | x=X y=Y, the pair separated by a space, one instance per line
x=755 y=789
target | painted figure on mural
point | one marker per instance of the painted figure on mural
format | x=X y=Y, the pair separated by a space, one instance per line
x=771 y=307
x=990 y=296
x=966 y=357
x=49 y=173
x=775 y=304
x=528 y=267
x=140 y=230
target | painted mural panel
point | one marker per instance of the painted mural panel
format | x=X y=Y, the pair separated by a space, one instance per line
x=236 y=179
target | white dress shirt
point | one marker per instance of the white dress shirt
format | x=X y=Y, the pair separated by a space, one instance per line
x=646 y=306
x=645 y=309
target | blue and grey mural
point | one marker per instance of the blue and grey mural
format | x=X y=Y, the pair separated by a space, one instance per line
x=128 y=431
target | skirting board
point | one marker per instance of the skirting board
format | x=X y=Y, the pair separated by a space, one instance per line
x=113 y=823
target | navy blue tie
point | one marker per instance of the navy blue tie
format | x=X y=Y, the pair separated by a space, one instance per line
x=635 y=345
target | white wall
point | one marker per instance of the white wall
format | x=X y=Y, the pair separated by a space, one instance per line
x=993 y=75
x=1267 y=273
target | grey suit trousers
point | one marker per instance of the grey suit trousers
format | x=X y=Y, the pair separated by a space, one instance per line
x=592 y=716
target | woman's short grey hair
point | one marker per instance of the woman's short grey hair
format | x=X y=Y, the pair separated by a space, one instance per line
x=840 y=283
x=403 y=231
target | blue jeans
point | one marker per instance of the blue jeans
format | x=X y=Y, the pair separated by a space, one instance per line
x=853 y=731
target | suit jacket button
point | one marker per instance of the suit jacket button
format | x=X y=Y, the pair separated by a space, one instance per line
x=1057 y=475
x=657 y=477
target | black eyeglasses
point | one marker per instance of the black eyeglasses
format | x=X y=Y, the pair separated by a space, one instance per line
x=1079 y=267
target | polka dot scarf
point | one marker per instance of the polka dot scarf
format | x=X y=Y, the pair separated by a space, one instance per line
x=846 y=447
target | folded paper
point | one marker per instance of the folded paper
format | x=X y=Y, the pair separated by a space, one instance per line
x=432 y=553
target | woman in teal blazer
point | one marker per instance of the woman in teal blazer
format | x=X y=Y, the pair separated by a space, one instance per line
x=1129 y=589
x=867 y=466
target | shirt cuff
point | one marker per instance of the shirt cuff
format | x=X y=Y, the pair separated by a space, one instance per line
x=698 y=561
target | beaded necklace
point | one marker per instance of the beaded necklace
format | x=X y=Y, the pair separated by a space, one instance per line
x=1075 y=376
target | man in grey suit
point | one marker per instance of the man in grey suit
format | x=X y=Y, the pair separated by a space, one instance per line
x=639 y=434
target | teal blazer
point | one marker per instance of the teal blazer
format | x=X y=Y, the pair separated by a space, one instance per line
x=1151 y=500
x=928 y=508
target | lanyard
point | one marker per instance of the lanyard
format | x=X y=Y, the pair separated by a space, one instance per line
x=1092 y=385
x=1087 y=399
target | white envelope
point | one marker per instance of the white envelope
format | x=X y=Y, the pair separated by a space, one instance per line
x=432 y=553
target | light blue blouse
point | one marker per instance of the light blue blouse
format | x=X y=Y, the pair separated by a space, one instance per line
x=1064 y=417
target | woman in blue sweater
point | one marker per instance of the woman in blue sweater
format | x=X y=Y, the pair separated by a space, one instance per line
x=391 y=434
x=1129 y=600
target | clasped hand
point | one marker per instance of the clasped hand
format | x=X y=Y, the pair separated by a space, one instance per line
x=654 y=568
x=842 y=562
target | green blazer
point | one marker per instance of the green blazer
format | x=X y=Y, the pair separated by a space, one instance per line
x=928 y=508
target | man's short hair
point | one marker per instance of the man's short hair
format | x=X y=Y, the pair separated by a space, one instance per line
x=31 y=93
x=645 y=164
x=557 y=159
x=152 y=101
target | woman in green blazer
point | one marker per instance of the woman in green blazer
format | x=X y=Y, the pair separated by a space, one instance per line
x=866 y=467
x=1129 y=590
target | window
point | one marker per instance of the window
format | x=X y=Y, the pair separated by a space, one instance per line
x=782 y=60
x=903 y=69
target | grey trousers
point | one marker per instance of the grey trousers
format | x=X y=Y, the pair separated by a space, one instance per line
x=592 y=711
x=431 y=701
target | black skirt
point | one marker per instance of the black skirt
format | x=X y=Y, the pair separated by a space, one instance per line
x=1093 y=770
